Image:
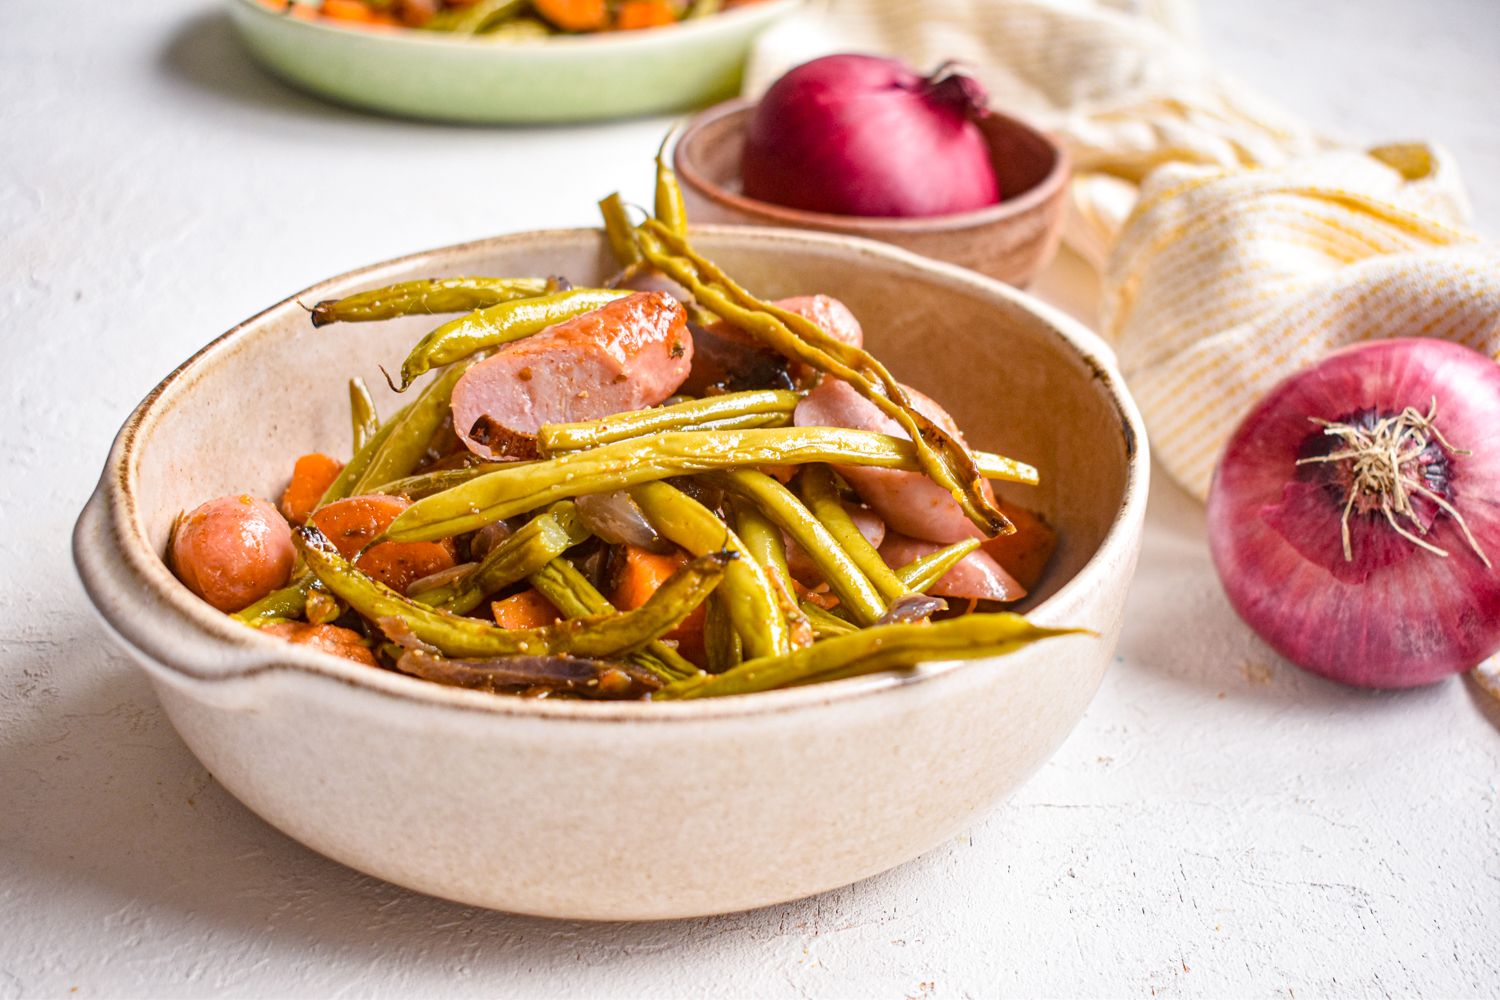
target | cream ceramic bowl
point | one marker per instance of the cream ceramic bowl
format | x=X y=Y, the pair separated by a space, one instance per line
x=623 y=810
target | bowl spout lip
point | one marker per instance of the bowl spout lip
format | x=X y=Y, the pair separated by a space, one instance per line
x=184 y=641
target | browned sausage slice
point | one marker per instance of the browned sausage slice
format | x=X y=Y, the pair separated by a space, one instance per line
x=627 y=355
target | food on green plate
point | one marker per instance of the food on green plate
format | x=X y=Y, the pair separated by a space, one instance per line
x=506 y=19
x=580 y=501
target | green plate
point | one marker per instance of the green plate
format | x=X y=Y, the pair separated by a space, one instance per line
x=559 y=79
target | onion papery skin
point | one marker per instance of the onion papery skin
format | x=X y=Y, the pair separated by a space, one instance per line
x=866 y=136
x=1396 y=616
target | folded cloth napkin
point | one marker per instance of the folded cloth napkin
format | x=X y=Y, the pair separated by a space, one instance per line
x=1236 y=245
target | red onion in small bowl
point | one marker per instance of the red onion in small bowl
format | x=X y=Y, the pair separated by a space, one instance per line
x=1355 y=514
x=866 y=136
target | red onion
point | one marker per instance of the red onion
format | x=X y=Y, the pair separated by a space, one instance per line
x=862 y=135
x=616 y=519
x=1355 y=514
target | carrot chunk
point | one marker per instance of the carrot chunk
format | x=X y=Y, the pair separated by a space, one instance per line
x=639 y=575
x=634 y=14
x=311 y=477
x=347 y=10
x=574 y=15
x=528 y=609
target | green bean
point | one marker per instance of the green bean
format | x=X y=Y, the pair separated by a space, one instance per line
x=821 y=494
x=721 y=642
x=691 y=415
x=500 y=324
x=457 y=636
x=843 y=574
x=284 y=603
x=921 y=573
x=343 y=484
x=618 y=230
x=531 y=547
x=510 y=491
x=670 y=210
x=825 y=624
x=869 y=651
x=411 y=431
x=570 y=592
x=748 y=594
x=765 y=544
x=432 y=295
x=362 y=416
x=428 y=483
x=992 y=466
x=945 y=459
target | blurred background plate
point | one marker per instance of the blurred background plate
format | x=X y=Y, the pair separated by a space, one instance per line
x=561 y=79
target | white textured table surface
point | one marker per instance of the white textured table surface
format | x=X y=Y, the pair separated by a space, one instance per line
x=1219 y=823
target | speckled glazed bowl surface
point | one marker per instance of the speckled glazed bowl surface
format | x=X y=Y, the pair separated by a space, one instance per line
x=567 y=78
x=1013 y=240
x=623 y=810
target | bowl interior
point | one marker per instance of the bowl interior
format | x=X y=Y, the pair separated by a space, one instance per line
x=709 y=155
x=235 y=417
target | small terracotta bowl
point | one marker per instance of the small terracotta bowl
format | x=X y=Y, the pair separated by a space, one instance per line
x=624 y=810
x=1012 y=241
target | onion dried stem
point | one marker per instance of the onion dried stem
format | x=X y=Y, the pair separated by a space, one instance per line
x=1378 y=456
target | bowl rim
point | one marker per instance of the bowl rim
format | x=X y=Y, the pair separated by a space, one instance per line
x=117 y=564
x=1052 y=184
x=641 y=38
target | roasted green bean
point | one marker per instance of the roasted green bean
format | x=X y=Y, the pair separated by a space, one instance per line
x=825 y=624
x=749 y=597
x=510 y=491
x=670 y=209
x=843 y=573
x=500 y=324
x=411 y=431
x=458 y=636
x=817 y=488
x=868 y=651
x=362 y=416
x=350 y=475
x=432 y=295
x=940 y=455
x=619 y=231
x=282 y=604
x=921 y=573
x=721 y=643
x=426 y=484
x=695 y=414
x=529 y=549
x=570 y=592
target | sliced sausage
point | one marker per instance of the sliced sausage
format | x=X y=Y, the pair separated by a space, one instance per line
x=909 y=502
x=233 y=551
x=627 y=355
x=976 y=576
x=728 y=359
